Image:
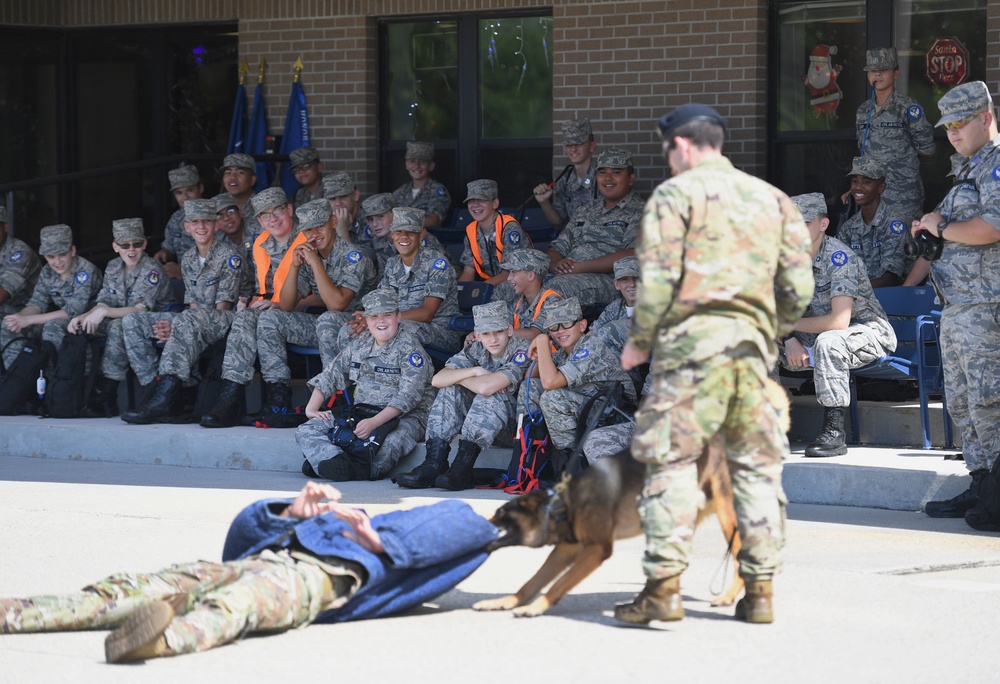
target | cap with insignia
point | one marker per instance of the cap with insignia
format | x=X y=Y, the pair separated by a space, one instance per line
x=963 y=101
x=183 y=177
x=338 y=184
x=302 y=156
x=869 y=167
x=382 y=300
x=562 y=311
x=126 y=230
x=627 y=267
x=532 y=260
x=409 y=219
x=615 y=158
x=239 y=161
x=381 y=203
x=482 y=189
x=491 y=317
x=811 y=205
x=313 y=214
x=422 y=151
x=200 y=210
x=881 y=59
x=577 y=132
x=55 y=239
x=268 y=198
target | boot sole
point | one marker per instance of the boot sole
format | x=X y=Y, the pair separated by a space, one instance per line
x=138 y=632
x=814 y=454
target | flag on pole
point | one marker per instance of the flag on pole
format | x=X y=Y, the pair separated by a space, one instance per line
x=296 y=133
x=238 y=127
x=258 y=134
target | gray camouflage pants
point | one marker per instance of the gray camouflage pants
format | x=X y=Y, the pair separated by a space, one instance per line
x=835 y=353
x=192 y=332
x=479 y=418
x=277 y=328
x=314 y=440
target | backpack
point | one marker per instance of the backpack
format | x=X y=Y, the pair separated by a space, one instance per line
x=70 y=386
x=530 y=463
x=359 y=452
x=18 y=383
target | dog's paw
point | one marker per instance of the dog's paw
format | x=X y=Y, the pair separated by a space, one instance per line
x=533 y=609
x=502 y=603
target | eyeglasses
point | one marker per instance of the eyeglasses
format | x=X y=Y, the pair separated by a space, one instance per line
x=961 y=123
x=302 y=167
x=561 y=326
x=131 y=245
x=274 y=215
x=228 y=212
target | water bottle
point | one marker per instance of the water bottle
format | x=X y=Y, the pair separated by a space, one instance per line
x=40 y=385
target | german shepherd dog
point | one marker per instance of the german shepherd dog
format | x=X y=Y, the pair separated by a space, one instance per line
x=585 y=514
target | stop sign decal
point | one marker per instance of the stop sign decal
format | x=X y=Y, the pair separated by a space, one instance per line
x=947 y=61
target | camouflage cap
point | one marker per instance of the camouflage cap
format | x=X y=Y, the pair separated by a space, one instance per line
x=55 y=239
x=313 y=214
x=811 y=205
x=338 y=184
x=532 y=260
x=562 y=311
x=200 y=210
x=409 y=219
x=303 y=155
x=627 y=267
x=482 y=189
x=3 y=214
x=615 y=158
x=381 y=203
x=685 y=114
x=268 y=198
x=577 y=132
x=881 y=59
x=491 y=317
x=124 y=230
x=868 y=166
x=963 y=101
x=183 y=177
x=239 y=161
x=423 y=151
x=382 y=300
x=223 y=201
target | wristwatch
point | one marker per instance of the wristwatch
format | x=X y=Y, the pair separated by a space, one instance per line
x=940 y=228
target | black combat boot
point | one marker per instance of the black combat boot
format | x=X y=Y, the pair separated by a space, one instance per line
x=459 y=475
x=103 y=402
x=279 y=394
x=958 y=506
x=160 y=403
x=228 y=410
x=832 y=440
x=435 y=463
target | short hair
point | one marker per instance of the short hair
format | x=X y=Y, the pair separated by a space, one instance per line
x=702 y=133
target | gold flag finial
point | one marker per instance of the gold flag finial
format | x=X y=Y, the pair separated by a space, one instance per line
x=260 y=72
x=298 y=67
x=244 y=69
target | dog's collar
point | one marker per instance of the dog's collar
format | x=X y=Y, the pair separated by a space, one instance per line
x=557 y=513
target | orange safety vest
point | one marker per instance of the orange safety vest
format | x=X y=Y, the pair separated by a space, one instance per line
x=263 y=261
x=538 y=307
x=477 y=257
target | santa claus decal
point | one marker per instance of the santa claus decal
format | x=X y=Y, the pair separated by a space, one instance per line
x=821 y=81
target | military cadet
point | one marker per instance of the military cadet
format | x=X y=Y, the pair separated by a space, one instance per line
x=211 y=272
x=421 y=191
x=387 y=370
x=424 y=282
x=921 y=267
x=716 y=243
x=893 y=127
x=568 y=378
x=67 y=286
x=239 y=176
x=615 y=320
x=229 y=229
x=285 y=564
x=345 y=200
x=575 y=188
x=133 y=282
x=488 y=237
x=476 y=392
x=877 y=232
x=324 y=271
x=967 y=279
x=377 y=212
x=185 y=184
x=526 y=271
x=19 y=267
x=308 y=171
x=583 y=254
x=611 y=439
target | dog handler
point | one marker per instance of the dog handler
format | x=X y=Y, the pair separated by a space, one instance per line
x=725 y=270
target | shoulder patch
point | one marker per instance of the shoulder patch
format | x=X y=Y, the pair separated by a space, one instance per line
x=424 y=243
x=515 y=237
x=897 y=227
x=368 y=231
x=915 y=112
x=355 y=257
x=440 y=191
x=16 y=256
x=416 y=360
x=996 y=173
x=153 y=278
x=440 y=264
x=581 y=354
x=520 y=357
x=82 y=277
x=234 y=262
x=839 y=258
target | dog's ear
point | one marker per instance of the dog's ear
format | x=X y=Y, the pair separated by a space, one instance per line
x=532 y=501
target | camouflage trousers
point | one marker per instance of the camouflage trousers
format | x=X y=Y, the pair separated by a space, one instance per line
x=834 y=354
x=608 y=440
x=192 y=332
x=478 y=418
x=241 y=347
x=560 y=407
x=970 y=354
x=114 y=363
x=215 y=603
x=685 y=408
x=331 y=334
x=592 y=289
x=277 y=328
x=313 y=437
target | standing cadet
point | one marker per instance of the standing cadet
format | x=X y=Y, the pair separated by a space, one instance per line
x=308 y=171
x=893 y=127
x=421 y=191
x=967 y=279
x=576 y=189
x=185 y=184
x=133 y=282
x=526 y=271
x=488 y=237
x=476 y=392
x=19 y=266
x=725 y=270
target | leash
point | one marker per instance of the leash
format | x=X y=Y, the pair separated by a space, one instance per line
x=720 y=571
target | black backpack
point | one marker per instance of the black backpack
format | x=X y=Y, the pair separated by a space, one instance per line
x=18 y=383
x=70 y=386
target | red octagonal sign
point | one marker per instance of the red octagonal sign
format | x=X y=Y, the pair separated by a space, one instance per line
x=947 y=61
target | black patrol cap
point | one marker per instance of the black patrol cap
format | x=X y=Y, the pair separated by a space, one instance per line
x=686 y=114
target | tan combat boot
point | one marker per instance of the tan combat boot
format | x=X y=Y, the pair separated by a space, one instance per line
x=660 y=599
x=755 y=606
x=141 y=635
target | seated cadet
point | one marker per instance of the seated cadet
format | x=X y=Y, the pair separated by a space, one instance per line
x=577 y=188
x=239 y=176
x=614 y=321
x=878 y=231
x=611 y=439
x=387 y=371
x=377 y=212
x=19 y=267
x=211 y=271
x=844 y=327
x=133 y=282
x=325 y=271
x=308 y=171
x=185 y=184
x=421 y=191
x=488 y=237
x=67 y=286
x=526 y=270
x=563 y=381
x=475 y=400
x=424 y=282
x=345 y=200
x=583 y=254
x=229 y=230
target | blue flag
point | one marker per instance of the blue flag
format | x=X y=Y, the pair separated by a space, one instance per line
x=257 y=139
x=296 y=135
x=238 y=128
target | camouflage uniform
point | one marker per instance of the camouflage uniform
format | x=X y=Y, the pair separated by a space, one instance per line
x=433 y=197
x=385 y=250
x=838 y=272
x=512 y=238
x=714 y=328
x=397 y=374
x=74 y=295
x=301 y=156
x=613 y=324
x=175 y=238
x=19 y=267
x=570 y=194
x=880 y=243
